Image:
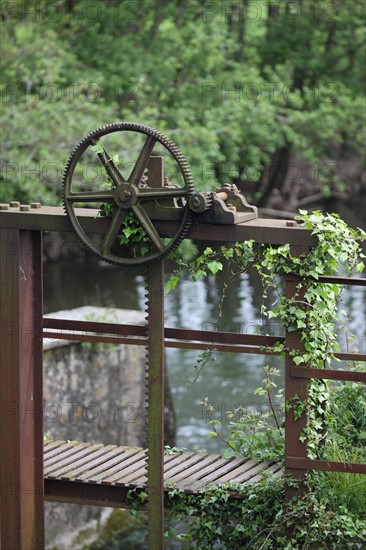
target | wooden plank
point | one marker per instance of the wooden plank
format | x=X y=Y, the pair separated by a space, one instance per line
x=183 y=465
x=62 y=452
x=192 y=473
x=125 y=467
x=141 y=481
x=177 y=459
x=50 y=445
x=98 y=458
x=224 y=473
x=106 y=475
x=264 y=473
x=115 y=458
x=239 y=472
x=82 y=463
x=124 y=475
x=69 y=460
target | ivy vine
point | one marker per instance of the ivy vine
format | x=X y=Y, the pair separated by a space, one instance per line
x=312 y=311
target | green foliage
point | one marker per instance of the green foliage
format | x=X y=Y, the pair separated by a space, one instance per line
x=120 y=530
x=330 y=515
x=312 y=312
x=232 y=82
x=259 y=435
x=343 y=489
x=133 y=235
x=259 y=517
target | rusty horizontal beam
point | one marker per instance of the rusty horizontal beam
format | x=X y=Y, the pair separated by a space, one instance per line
x=94 y=326
x=350 y=356
x=74 y=492
x=235 y=342
x=329 y=374
x=211 y=336
x=347 y=281
x=262 y=230
x=324 y=465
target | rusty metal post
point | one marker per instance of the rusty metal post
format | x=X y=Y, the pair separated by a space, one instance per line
x=21 y=391
x=155 y=420
x=294 y=387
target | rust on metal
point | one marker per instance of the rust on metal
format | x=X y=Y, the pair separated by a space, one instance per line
x=21 y=391
x=234 y=342
x=155 y=404
x=325 y=465
x=266 y=231
x=294 y=388
x=329 y=374
x=102 y=475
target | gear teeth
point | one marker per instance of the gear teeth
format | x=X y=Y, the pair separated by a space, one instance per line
x=171 y=147
x=146 y=388
x=154 y=405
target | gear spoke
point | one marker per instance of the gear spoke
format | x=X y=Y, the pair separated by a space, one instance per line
x=90 y=196
x=109 y=165
x=148 y=226
x=163 y=192
x=113 y=230
x=141 y=163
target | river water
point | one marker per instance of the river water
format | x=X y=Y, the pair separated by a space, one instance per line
x=228 y=380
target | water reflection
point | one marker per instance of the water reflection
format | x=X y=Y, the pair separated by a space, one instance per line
x=228 y=379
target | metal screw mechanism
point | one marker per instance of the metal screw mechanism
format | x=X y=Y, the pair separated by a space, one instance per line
x=14 y=204
x=291 y=224
x=25 y=208
x=36 y=205
x=4 y=207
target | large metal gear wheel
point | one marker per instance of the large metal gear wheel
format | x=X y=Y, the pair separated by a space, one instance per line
x=125 y=195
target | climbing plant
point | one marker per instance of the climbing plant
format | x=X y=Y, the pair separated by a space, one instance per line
x=312 y=310
x=259 y=519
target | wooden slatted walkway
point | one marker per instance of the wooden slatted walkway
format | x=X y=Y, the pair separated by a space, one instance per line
x=102 y=474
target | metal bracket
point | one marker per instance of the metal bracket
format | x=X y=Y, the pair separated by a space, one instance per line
x=225 y=206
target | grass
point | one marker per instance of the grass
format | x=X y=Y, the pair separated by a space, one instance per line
x=343 y=488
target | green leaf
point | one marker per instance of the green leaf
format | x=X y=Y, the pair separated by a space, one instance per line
x=172 y=283
x=97 y=148
x=199 y=273
x=214 y=266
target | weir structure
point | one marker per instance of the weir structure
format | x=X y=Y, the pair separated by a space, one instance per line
x=84 y=473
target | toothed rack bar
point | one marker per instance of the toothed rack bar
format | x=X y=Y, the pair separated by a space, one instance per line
x=103 y=474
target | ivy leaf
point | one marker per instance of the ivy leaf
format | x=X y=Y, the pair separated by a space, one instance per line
x=199 y=273
x=214 y=266
x=97 y=148
x=172 y=283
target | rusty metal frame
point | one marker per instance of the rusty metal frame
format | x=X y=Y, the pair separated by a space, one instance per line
x=21 y=442
x=297 y=379
x=21 y=391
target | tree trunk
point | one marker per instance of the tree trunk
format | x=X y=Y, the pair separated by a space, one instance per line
x=274 y=174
